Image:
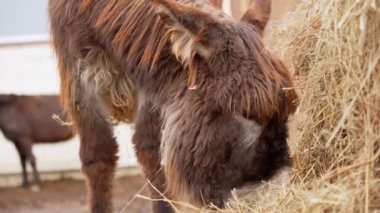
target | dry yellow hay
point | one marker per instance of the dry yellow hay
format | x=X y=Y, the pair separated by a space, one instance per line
x=334 y=47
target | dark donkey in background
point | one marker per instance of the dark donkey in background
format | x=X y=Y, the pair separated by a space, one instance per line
x=210 y=107
x=26 y=120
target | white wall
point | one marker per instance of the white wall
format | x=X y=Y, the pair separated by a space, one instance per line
x=23 y=18
x=31 y=69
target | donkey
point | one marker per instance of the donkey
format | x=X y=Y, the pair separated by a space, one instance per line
x=206 y=97
x=26 y=120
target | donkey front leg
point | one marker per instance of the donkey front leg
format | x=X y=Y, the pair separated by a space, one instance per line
x=147 y=145
x=98 y=147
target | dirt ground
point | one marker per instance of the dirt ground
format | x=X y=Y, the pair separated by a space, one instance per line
x=68 y=196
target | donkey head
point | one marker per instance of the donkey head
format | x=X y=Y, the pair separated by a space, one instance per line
x=211 y=40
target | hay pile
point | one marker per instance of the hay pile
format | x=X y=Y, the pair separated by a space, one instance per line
x=334 y=46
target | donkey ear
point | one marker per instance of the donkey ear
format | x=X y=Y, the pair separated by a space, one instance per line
x=182 y=17
x=258 y=13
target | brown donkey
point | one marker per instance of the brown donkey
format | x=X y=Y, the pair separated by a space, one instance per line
x=205 y=95
x=26 y=120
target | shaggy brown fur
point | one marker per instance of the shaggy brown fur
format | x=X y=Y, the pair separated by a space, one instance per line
x=186 y=69
x=26 y=120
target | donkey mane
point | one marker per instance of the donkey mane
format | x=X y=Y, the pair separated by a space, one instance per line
x=137 y=31
x=141 y=36
x=138 y=34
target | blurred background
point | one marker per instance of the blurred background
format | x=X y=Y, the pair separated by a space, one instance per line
x=28 y=67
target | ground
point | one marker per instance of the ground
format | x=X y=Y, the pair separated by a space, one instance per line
x=69 y=196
